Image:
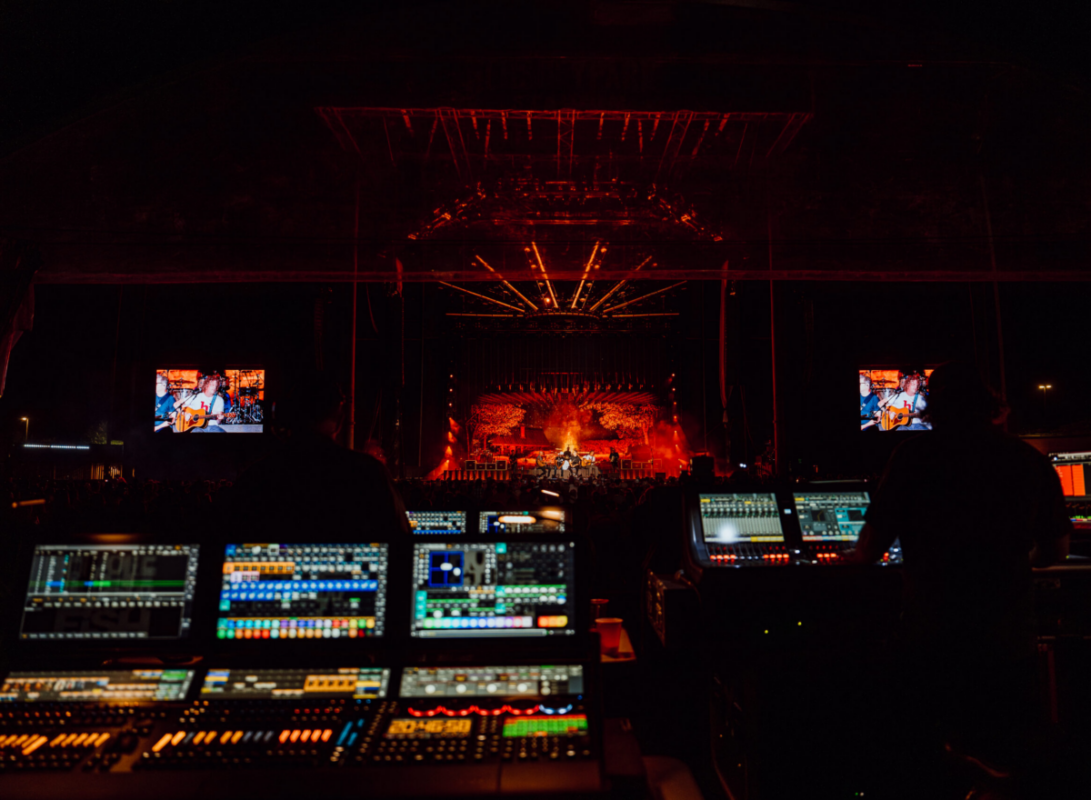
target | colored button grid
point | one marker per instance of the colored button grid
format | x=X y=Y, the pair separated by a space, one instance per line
x=295 y=628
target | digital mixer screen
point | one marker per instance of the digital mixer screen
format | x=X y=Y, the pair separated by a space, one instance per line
x=742 y=517
x=96 y=686
x=544 y=520
x=436 y=523
x=531 y=681
x=1074 y=470
x=110 y=592
x=493 y=589
x=357 y=683
x=831 y=516
x=303 y=591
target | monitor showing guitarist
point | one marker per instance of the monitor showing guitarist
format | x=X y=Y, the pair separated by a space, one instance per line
x=894 y=400
x=209 y=401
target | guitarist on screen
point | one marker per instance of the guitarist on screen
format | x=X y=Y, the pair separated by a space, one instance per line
x=206 y=408
x=906 y=408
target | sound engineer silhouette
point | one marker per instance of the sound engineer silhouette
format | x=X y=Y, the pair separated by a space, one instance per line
x=975 y=510
x=311 y=489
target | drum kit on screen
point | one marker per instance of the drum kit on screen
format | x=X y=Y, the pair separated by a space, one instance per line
x=243 y=402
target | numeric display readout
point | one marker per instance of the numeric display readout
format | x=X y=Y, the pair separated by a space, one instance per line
x=741 y=517
x=530 y=681
x=303 y=591
x=96 y=686
x=357 y=683
x=100 y=591
x=493 y=589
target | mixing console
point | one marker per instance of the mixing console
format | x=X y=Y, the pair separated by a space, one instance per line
x=86 y=720
x=286 y=591
x=831 y=523
x=741 y=530
x=544 y=520
x=437 y=523
x=110 y=592
x=504 y=589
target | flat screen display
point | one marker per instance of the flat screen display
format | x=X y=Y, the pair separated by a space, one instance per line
x=831 y=516
x=102 y=591
x=530 y=681
x=740 y=517
x=356 y=683
x=209 y=400
x=493 y=589
x=303 y=591
x=894 y=399
x=543 y=520
x=437 y=523
x=96 y=686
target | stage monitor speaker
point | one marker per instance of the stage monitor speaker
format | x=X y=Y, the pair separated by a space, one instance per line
x=501 y=465
x=626 y=463
x=469 y=466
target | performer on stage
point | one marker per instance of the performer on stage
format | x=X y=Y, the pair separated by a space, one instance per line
x=615 y=459
x=207 y=403
x=869 y=404
x=165 y=404
x=909 y=405
x=566 y=466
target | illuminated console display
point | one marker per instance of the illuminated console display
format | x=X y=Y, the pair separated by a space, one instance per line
x=437 y=523
x=494 y=589
x=733 y=518
x=358 y=683
x=544 y=520
x=110 y=592
x=96 y=686
x=831 y=516
x=303 y=591
x=529 y=681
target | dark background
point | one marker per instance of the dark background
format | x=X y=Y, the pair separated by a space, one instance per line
x=81 y=374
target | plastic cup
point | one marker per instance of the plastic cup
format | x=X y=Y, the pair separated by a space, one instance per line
x=598 y=608
x=609 y=629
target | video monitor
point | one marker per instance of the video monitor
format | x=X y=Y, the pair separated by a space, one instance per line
x=437 y=523
x=493 y=589
x=209 y=400
x=530 y=681
x=96 y=686
x=894 y=399
x=303 y=591
x=740 y=517
x=544 y=520
x=831 y=516
x=352 y=683
x=110 y=592
x=1074 y=470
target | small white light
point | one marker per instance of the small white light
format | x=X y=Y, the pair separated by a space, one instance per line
x=517 y=520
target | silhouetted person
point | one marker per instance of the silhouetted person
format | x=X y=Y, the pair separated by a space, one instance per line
x=974 y=509
x=310 y=489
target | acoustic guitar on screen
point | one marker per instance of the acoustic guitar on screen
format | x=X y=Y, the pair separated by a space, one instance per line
x=891 y=418
x=188 y=419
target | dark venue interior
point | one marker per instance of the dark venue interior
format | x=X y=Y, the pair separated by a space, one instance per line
x=530 y=325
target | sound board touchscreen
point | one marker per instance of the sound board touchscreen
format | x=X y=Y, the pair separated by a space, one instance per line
x=1074 y=470
x=493 y=589
x=742 y=529
x=356 y=683
x=492 y=681
x=831 y=523
x=544 y=520
x=96 y=686
x=437 y=523
x=109 y=592
x=303 y=591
